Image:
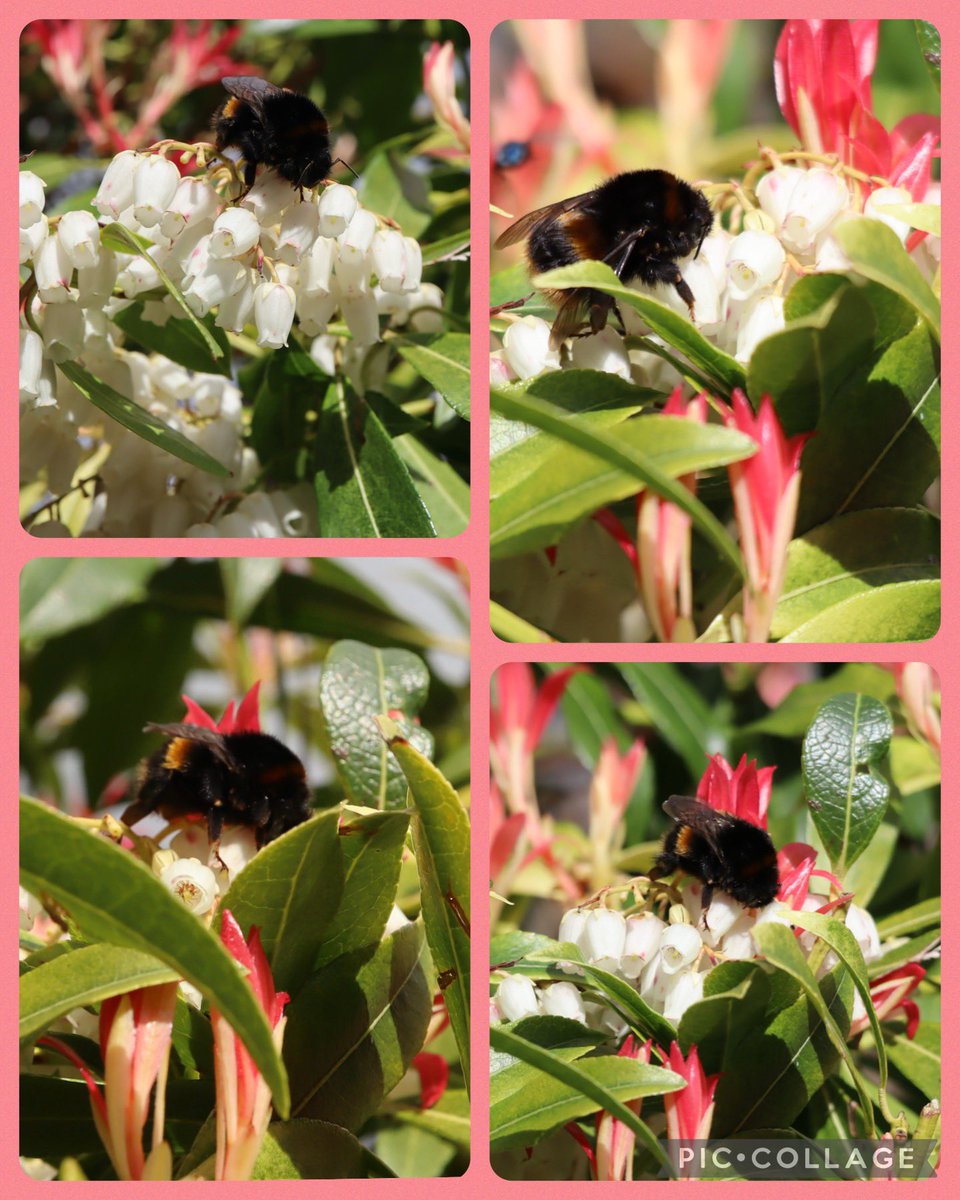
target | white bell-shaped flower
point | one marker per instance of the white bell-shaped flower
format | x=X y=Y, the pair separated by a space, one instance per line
x=79 y=235
x=526 y=345
x=516 y=998
x=32 y=198
x=154 y=187
x=563 y=1000
x=337 y=205
x=274 y=307
x=680 y=946
x=115 y=193
x=641 y=944
x=193 y=884
x=235 y=232
x=754 y=261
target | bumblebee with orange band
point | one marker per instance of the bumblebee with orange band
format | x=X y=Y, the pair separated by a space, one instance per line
x=723 y=851
x=246 y=778
x=639 y=224
x=276 y=126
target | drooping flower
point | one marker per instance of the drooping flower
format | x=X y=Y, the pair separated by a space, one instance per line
x=766 y=491
x=243 y=1097
x=743 y=790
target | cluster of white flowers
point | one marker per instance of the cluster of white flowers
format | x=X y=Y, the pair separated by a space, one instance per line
x=666 y=961
x=199 y=873
x=738 y=280
x=265 y=262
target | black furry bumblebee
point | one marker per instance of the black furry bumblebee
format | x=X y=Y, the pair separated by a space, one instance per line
x=243 y=778
x=275 y=126
x=639 y=224
x=721 y=850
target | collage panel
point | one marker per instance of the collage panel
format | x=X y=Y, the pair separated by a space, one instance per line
x=244 y=278
x=244 y=869
x=715 y=328
x=715 y=921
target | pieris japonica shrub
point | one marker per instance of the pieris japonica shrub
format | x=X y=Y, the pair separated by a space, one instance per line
x=197 y=1006
x=755 y=468
x=685 y=1003
x=202 y=359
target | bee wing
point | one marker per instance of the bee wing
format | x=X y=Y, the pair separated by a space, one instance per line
x=251 y=88
x=701 y=817
x=569 y=319
x=203 y=737
x=519 y=229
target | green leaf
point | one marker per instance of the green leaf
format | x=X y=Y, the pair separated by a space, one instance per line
x=179 y=339
x=441 y=840
x=371 y=845
x=443 y=360
x=287 y=389
x=414 y=1153
x=305 y=1149
x=445 y=494
x=914 y=765
x=925 y=915
x=793 y=715
x=61 y=594
x=358 y=683
x=84 y=977
x=119 y=238
x=510 y=628
x=876 y=252
x=449 y=1118
x=918 y=1058
x=542 y=486
x=732 y=1008
x=363 y=487
x=676 y=331
x=353 y=1030
x=290 y=891
x=114 y=898
x=610 y=449
x=678 y=712
x=393 y=190
x=245 y=583
x=928 y=35
x=852 y=555
x=867 y=873
x=842 y=752
x=566 y=1091
x=139 y=421
x=896 y=612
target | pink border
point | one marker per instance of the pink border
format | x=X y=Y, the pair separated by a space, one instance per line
x=17 y=547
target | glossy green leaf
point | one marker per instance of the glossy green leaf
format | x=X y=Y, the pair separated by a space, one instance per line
x=114 y=898
x=925 y=915
x=677 y=331
x=290 y=891
x=140 y=421
x=443 y=360
x=928 y=35
x=371 y=845
x=842 y=753
x=794 y=714
x=566 y=1091
x=507 y=626
x=358 y=683
x=246 y=581
x=414 y=1153
x=117 y=237
x=896 y=612
x=732 y=1007
x=877 y=253
x=353 y=1030
x=304 y=1149
x=866 y=874
x=914 y=765
x=449 y=1118
x=61 y=594
x=612 y=451
x=363 y=486
x=852 y=555
x=918 y=1058
x=678 y=712
x=179 y=339
x=441 y=840
x=544 y=485
x=445 y=495
x=84 y=977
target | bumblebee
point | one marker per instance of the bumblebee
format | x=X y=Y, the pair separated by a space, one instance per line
x=723 y=851
x=638 y=223
x=275 y=126
x=245 y=778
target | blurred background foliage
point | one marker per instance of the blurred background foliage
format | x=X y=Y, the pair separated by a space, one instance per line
x=110 y=644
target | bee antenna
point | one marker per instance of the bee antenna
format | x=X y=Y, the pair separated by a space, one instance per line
x=344 y=163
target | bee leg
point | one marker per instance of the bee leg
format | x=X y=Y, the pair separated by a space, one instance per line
x=683 y=291
x=599 y=311
x=705 y=904
x=511 y=304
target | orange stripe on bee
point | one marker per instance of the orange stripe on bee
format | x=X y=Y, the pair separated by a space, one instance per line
x=585 y=235
x=177 y=754
x=292 y=770
x=671 y=202
x=684 y=839
x=231 y=106
x=761 y=864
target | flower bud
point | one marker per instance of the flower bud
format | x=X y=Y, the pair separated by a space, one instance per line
x=337 y=205
x=763 y=318
x=235 y=232
x=679 y=947
x=526 y=345
x=818 y=197
x=314 y=313
x=31 y=364
x=604 y=351
x=888 y=195
x=298 y=231
x=362 y=318
x=238 y=846
x=32 y=199
x=192 y=882
x=563 y=1000
x=685 y=988
x=603 y=937
x=389 y=254
x=642 y=942
x=194 y=201
x=53 y=270
x=116 y=188
x=754 y=261
x=274 y=305
x=154 y=187
x=516 y=998
x=292 y=512
x=32 y=238
x=263 y=516
x=355 y=241
x=139 y=275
